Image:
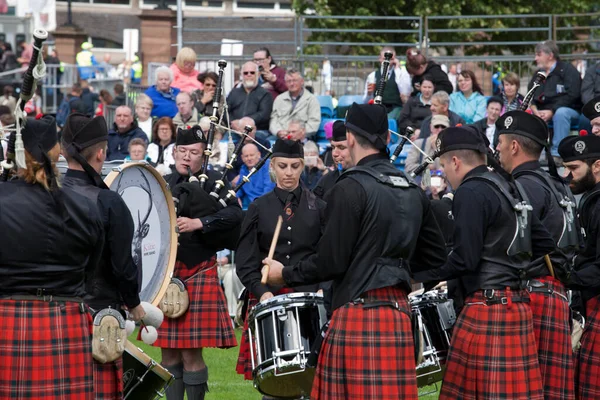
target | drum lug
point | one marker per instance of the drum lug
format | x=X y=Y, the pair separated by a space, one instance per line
x=282 y=314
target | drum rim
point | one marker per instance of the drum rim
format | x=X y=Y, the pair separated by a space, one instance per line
x=110 y=178
x=145 y=359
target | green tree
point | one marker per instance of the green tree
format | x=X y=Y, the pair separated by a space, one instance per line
x=473 y=33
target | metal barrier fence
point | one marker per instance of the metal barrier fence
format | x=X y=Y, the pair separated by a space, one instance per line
x=346 y=37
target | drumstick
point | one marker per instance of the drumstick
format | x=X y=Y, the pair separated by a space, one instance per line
x=265 y=274
x=549 y=265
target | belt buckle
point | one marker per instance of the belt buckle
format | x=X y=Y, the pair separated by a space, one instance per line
x=488 y=293
x=358 y=301
x=504 y=300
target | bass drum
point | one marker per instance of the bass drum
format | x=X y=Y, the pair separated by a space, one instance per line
x=154 y=246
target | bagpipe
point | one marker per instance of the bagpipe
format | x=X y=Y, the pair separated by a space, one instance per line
x=15 y=154
x=194 y=199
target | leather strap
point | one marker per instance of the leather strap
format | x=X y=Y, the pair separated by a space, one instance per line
x=48 y=298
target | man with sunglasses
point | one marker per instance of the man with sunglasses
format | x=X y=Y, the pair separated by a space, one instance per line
x=250 y=100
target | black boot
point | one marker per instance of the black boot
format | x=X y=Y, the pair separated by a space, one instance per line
x=175 y=390
x=196 y=383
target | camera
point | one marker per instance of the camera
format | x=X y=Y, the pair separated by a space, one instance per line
x=261 y=69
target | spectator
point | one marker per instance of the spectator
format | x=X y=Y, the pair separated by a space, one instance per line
x=487 y=126
x=260 y=183
x=296 y=131
x=314 y=168
x=71 y=103
x=137 y=70
x=52 y=59
x=143 y=107
x=272 y=77
x=26 y=53
x=440 y=103
x=590 y=88
x=88 y=97
x=511 y=99
x=184 y=71
x=297 y=104
x=417 y=107
x=33 y=107
x=160 y=151
x=558 y=99
x=204 y=97
x=8 y=62
x=415 y=157
x=393 y=95
x=125 y=129
x=250 y=100
x=187 y=114
x=105 y=100
x=120 y=98
x=108 y=70
x=137 y=150
x=265 y=144
x=162 y=94
x=469 y=101
x=220 y=149
x=86 y=62
x=8 y=99
x=418 y=66
x=453 y=75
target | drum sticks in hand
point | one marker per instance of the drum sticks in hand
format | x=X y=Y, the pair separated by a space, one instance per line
x=265 y=273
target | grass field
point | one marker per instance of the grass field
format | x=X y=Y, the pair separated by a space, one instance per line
x=224 y=383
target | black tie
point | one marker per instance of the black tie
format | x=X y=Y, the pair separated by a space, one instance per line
x=290 y=206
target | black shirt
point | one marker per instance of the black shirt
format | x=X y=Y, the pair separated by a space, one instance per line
x=326 y=183
x=119 y=270
x=476 y=206
x=42 y=247
x=344 y=215
x=297 y=240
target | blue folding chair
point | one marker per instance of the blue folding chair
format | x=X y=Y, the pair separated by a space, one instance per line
x=326 y=103
x=344 y=102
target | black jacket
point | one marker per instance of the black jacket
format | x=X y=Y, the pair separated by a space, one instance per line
x=440 y=78
x=115 y=281
x=413 y=113
x=43 y=248
x=257 y=105
x=562 y=88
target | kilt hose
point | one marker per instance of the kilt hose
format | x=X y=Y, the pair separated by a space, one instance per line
x=588 y=379
x=46 y=350
x=368 y=352
x=206 y=323
x=552 y=331
x=108 y=380
x=493 y=353
x=244 y=362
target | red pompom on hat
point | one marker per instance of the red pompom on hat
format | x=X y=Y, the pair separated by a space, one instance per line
x=39 y=116
x=583 y=132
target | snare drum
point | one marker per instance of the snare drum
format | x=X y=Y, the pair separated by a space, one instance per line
x=433 y=318
x=143 y=378
x=281 y=333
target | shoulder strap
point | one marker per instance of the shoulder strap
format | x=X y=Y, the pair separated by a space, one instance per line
x=545 y=178
x=586 y=199
x=398 y=179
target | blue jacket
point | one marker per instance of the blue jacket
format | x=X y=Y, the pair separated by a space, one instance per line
x=164 y=103
x=471 y=109
x=260 y=183
x=118 y=144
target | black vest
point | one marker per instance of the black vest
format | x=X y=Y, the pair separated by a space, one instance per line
x=588 y=207
x=101 y=290
x=391 y=94
x=560 y=221
x=507 y=243
x=394 y=216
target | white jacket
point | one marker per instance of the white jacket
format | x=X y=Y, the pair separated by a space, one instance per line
x=167 y=157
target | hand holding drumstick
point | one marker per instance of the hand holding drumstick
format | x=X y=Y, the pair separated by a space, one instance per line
x=272 y=271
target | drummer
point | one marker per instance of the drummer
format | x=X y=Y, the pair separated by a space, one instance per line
x=114 y=281
x=303 y=217
x=50 y=237
x=206 y=322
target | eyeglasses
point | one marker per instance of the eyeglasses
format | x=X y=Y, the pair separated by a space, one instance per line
x=292 y=80
x=249 y=72
x=210 y=85
x=164 y=129
x=192 y=153
x=440 y=126
x=257 y=60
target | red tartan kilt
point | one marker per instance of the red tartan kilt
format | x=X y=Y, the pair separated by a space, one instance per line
x=368 y=353
x=493 y=353
x=588 y=379
x=552 y=331
x=46 y=351
x=244 y=363
x=108 y=380
x=206 y=323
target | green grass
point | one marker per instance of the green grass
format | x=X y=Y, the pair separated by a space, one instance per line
x=224 y=382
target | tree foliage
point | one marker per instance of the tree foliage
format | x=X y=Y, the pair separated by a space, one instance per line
x=477 y=31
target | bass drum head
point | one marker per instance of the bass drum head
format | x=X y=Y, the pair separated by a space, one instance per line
x=154 y=246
